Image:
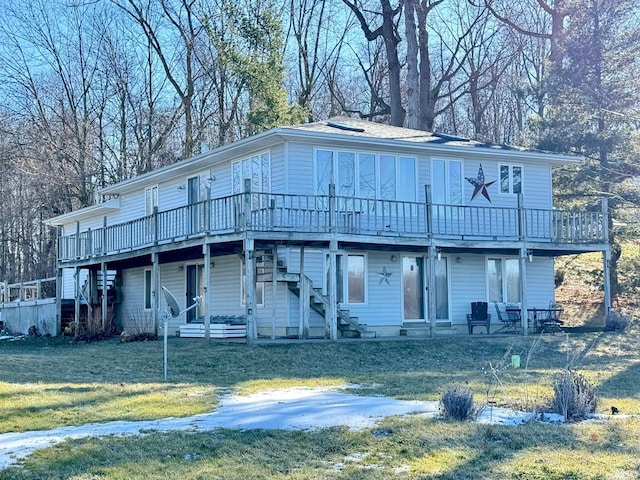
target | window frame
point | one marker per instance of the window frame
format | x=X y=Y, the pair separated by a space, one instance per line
x=150 y=199
x=447 y=182
x=504 y=279
x=343 y=296
x=400 y=190
x=147 y=291
x=245 y=166
x=510 y=179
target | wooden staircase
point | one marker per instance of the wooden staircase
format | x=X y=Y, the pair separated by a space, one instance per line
x=348 y=325
x=94 y=292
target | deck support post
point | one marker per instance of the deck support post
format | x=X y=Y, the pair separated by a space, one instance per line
x=523 y=291
x=428 y=210
x=104 y=305
x=207 y=300
x=155 y=292
x=76 y=313
x=250 y=290
x=304 y=299
x=431 y=290
x=274 y=290
x=331 y=313
x=522 y=221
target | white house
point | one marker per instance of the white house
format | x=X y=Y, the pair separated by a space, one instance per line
x=334 y=228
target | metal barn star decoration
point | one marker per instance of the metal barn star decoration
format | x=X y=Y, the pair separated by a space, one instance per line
x=479 y=184
x=384 y=276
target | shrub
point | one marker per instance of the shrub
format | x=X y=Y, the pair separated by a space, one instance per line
x=139 y=326
x=457 y=403
x=574 y=397
x=616 y=321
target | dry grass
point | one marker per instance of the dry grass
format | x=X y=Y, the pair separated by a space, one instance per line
x=49 y=382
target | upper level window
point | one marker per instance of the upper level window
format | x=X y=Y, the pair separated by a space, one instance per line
x=150 y=199
x=256 y=169
x=446 y=182
x=365 y=175
x=510 y=179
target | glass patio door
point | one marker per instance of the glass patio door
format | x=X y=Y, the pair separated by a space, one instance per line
x=413 y=287
x=195 y=287
x=442 y=288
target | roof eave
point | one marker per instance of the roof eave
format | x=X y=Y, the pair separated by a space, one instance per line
x=87 y=212
x=203 y=160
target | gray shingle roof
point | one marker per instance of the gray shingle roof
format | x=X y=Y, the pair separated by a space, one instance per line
x=362 y=128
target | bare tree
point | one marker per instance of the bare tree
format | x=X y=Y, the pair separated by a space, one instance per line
x=433 y=65
x=317 y=36
x=177 y=20
x=387 y=30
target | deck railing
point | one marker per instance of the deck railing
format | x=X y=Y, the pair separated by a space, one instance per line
x=329 y=214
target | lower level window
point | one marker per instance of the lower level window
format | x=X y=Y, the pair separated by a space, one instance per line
x=503 y=280
x=147 y=289
x=355 y=278
x=350 y=277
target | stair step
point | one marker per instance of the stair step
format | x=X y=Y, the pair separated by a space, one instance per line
x=415 y=331
x=351 y=334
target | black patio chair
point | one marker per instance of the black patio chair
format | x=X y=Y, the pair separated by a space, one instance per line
x=479 y=316
x=510 y=319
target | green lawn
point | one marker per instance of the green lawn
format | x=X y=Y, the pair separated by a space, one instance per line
x=49 y=382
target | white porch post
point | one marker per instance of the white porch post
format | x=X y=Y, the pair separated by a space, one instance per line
x=250 y=290
x=207 y=295
x=431 y=290
x=331 y=313
x=274 y=291
x=155 y=292
x=523 y=291
x=104 y=303
x=76 y=315
x=303 y=324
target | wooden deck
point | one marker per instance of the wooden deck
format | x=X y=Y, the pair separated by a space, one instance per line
x=326 y=216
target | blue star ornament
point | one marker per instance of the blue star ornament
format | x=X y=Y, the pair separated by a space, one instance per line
x=479 y=184
x=384 y=276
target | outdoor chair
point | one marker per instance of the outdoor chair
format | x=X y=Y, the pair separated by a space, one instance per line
x=479 y=316
x=510 y=319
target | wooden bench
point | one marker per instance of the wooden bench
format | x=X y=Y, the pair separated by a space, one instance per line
x=216 y=330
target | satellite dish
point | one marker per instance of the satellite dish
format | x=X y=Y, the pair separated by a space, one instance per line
x=172 y=303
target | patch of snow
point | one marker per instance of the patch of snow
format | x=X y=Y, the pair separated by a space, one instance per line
x=286 y=409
